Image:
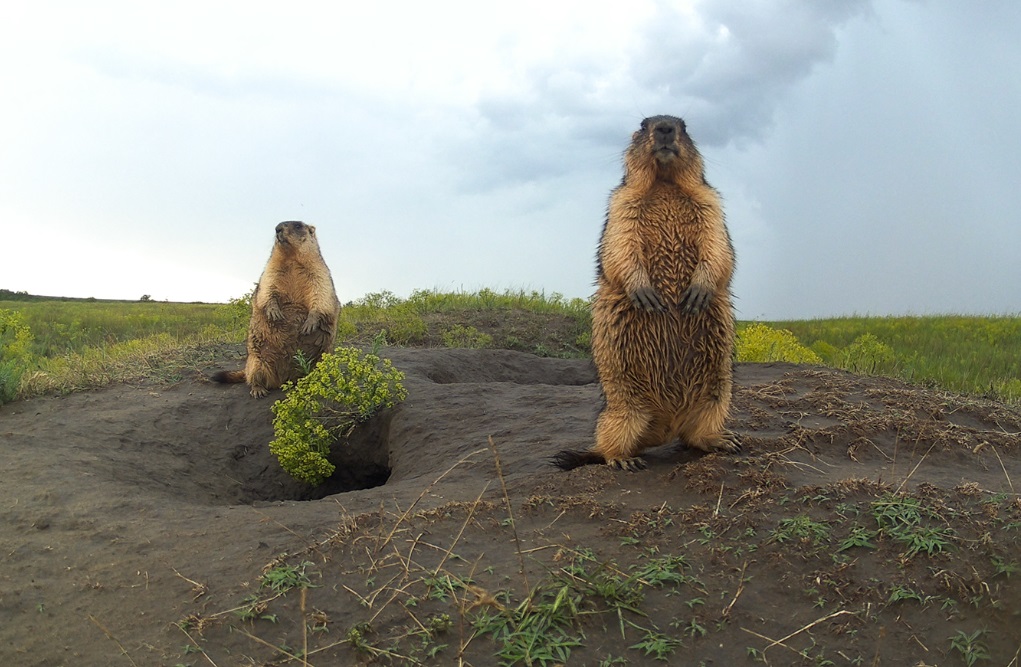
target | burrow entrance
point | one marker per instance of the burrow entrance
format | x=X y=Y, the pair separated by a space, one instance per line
x=447 y=384
x=254 y=474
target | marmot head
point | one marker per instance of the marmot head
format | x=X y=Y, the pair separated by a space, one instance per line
x=662 y=150
x=294 y=234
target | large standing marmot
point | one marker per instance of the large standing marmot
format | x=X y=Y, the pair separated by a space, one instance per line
x=294 y=308
x=662 y=320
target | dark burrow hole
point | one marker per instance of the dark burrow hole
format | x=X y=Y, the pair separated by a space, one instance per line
x=362 y=462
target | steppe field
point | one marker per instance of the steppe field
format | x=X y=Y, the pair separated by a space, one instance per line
x=872 y=518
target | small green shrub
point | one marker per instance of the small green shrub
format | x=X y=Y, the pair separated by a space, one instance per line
x=829 y=353
x=10 y=380
x=868 y=355
x=584 y=341
x=237 y=313
x=15 y=353
x=379 y=300
x=760 y=343
x=345 y=388
x=283 y=578
x=385 y=311
x=1008 y=389
x=346 y=329
x=468 y=337
x=404 y=327
x=971 y=647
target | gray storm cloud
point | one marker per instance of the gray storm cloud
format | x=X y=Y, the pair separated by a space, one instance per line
x=724 y=69
x=756 y=53
x=865 y=151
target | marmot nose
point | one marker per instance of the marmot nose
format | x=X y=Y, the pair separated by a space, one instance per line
x=664 y=132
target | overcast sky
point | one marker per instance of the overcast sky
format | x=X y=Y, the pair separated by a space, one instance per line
x=868 y=153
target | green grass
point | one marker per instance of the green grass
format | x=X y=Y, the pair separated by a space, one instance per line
x=529 y=321
x=975 y=355
x=418 y=603
x=62 y=327
x=284 y=577
x=971 y=647
x=81 y=343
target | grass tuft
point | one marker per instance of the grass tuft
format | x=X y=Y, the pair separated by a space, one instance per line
x=81 y=344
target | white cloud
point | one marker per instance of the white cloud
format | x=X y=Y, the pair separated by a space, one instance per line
x=465 y=144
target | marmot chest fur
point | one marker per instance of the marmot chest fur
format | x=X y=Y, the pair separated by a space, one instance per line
x=662 y=318
x=294 y=309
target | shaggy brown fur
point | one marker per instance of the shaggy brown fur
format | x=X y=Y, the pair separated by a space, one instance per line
x=662 y=320
x=294 y=308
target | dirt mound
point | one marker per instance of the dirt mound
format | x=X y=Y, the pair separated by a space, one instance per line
x=869 y=522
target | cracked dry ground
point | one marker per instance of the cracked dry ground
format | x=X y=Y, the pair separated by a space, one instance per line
x=869 y=522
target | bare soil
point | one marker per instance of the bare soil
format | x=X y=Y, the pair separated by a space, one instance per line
x=868 y=522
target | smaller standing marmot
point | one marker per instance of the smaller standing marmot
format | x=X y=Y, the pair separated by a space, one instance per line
x=662 y=319
x=294 y=308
